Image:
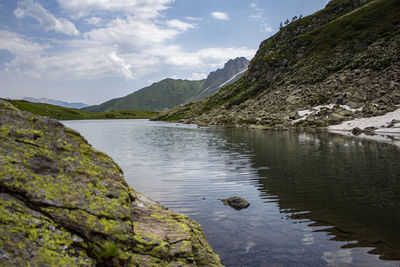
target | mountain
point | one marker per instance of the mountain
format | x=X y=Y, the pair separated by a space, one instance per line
x=45 y=100
x=170 y=93
x=337 y=64
x=230 y=73
x=159 y=96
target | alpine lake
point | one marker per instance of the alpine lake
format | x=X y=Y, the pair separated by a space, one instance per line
x=316 y=199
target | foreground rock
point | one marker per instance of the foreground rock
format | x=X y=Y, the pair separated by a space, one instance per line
x=63 y=203
x=236 y=202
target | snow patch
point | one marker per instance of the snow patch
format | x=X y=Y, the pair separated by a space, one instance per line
x=314 y=110
x=379 y=122
x=383 y=133
x=242 y=71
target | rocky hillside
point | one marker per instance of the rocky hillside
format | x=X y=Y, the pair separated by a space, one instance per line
x=340 y=63
x=232 y=71
x=63 y=203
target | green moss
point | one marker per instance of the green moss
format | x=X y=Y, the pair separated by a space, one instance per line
x=111 y=250
x=22 y=229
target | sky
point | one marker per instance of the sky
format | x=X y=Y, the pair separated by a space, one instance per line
x=94 y=50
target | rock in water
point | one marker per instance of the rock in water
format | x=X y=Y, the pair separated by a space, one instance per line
x=63 y=203
x=356 y=131
x=236 y=202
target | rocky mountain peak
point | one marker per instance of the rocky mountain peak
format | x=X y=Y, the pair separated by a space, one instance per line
x=230 y=69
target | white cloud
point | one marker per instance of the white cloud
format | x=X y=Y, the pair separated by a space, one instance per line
x=197 y=76
x=267 y=28
x=193 y=18
x=124 y=67
x=220 y=15
x=180 y=25
x=132 y=34
x=207 y=57
x=258 y=15
x=28 y=8
x=17 y=45
x=126 y=46
x=140 y=8
x=96 y=21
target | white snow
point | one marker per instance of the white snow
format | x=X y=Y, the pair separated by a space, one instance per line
x=380 y=122
x=305 y=113
x=242 y=71
x=382 y=133
x=206 y=89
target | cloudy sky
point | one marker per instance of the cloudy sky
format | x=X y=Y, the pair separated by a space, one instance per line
x=93 y=50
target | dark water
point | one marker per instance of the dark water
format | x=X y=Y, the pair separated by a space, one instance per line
x=317 y=199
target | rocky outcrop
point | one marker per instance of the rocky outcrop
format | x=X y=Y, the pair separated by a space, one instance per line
x=63 y=203
x=232 y=71
x=340 y=63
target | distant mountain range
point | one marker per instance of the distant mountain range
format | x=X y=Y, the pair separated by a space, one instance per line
x=170 y=93
x=45 y=100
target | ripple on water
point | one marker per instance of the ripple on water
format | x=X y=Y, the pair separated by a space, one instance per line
x=315 y=199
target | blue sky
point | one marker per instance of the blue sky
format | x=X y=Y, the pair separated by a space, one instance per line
x=94 y=50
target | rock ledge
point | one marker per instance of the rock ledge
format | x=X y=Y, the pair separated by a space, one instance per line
x=63 y=203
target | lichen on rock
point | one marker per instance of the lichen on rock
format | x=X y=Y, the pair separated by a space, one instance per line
x=63 y=203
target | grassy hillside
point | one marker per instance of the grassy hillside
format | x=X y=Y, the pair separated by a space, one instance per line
x=159 y=96
x=62 y=113
x=346 y=54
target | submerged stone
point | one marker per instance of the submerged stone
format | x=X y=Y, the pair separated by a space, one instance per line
x=236 y=202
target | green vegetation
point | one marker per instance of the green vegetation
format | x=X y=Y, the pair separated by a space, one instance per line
x=373 y=21
x=159 y=96
x=61 y=113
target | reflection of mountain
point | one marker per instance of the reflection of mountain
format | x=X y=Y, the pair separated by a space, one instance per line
x=348 y=185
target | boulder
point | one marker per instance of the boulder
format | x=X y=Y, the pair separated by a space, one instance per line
x=356 y=131
x=64 y=203
x=236 y=202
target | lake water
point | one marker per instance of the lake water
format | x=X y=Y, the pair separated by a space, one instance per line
x=316 y=199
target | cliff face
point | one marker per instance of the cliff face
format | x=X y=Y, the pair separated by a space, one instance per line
x=344 y=59
x=230 y=73
x=63 y=203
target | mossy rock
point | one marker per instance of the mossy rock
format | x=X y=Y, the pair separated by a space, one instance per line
x=63 y=203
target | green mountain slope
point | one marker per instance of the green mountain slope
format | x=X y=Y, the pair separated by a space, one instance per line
x=62 y=113
x=346 y=55
x=159 y=96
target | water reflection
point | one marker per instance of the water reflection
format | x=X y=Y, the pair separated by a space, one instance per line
x=348 y=186
x=316 y=199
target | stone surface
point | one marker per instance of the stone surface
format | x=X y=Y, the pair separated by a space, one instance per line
x=236 y=202
x=63 y=203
